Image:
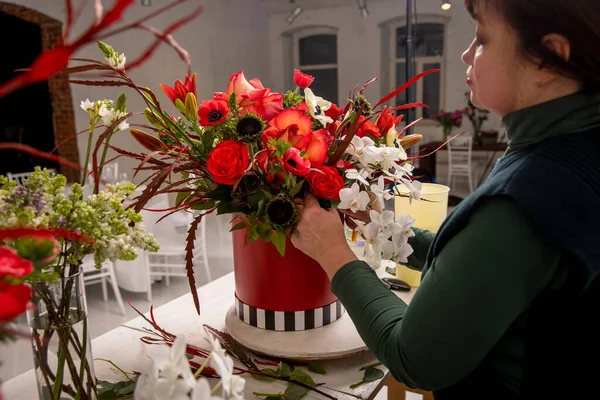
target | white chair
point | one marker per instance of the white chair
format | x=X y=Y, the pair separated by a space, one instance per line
x=19 y=178
x=460 y=151
x=92 y=276
x=170 y=233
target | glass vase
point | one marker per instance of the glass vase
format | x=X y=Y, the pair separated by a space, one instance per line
x=62 y=352
x=372 y=255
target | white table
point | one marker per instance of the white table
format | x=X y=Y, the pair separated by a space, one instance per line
x=123 y=346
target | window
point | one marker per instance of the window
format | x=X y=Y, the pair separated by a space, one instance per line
x=314 y=51
x=429 y=51
x=429 y=42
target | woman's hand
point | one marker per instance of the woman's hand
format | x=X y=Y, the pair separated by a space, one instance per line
x=320 y=234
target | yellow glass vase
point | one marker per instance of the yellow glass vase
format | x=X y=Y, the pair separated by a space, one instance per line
x=429 y=213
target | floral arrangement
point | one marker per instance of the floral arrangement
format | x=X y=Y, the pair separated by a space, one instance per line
x=255 y=153
x=57 y=307
x=448 y=120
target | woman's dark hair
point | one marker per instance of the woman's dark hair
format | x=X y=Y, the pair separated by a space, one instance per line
x=577 y=20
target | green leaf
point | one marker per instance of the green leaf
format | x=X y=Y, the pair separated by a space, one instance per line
x=120 y=385
x=106 y=385
x=296 y=392
x=267 y=371
x=129 y=389
x=226 y=207
x=284 y=370
x=233 y=101
x=390 y=270
x=279 y=242
x=261 y=207
x=222 y=192
x=296 y=189
x=208 y=139
x=121 y=104
x=108 y=395
x=372 y=374
x=238 y=226
x=203 y=206
x=315 y=367
x=302 y=377
x=267 y=194
x=181 y=196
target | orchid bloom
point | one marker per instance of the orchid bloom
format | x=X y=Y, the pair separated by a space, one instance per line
x=379 y=190
x=353 y=198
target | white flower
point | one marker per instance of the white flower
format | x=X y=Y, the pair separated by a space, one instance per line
x=396 y=250
x=109 y=115
x=117 y=61
x=389 y=155
x=361 y=176
x=353 y=199
x=363 y=150
x=202 y=391
x=404 y=226
x=380 y=191
x=88 y=106
x=317 y=107
x=381 y=225
x=222 y=363
x=170 y=376
x=414 y=188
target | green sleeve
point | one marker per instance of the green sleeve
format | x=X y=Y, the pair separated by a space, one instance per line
x=483 y=279
x=420 y=244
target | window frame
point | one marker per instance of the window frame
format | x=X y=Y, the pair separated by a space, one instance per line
x=292 y=58
x=389 y=59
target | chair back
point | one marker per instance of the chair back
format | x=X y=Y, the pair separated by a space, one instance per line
x=19 y=177
x=460 y=151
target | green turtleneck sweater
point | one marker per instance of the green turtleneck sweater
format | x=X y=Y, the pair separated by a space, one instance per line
x=471 y=310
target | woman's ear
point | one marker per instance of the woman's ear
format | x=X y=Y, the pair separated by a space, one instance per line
x=558 y=44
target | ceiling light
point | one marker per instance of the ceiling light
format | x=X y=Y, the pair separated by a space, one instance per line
x=294 y=14
x=146 y=3
x=446 y=5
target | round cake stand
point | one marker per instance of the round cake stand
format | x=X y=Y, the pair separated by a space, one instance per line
x=336 y=340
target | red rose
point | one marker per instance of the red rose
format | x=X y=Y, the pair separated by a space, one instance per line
x=294 y=163
x=228 y=161
x=12 y=265
x=292 y=126
x=14 y=299
x=326 y=182
x=213 y=112
x=303 y=80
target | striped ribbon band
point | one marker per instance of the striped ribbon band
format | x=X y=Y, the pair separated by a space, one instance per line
x=286 y=321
